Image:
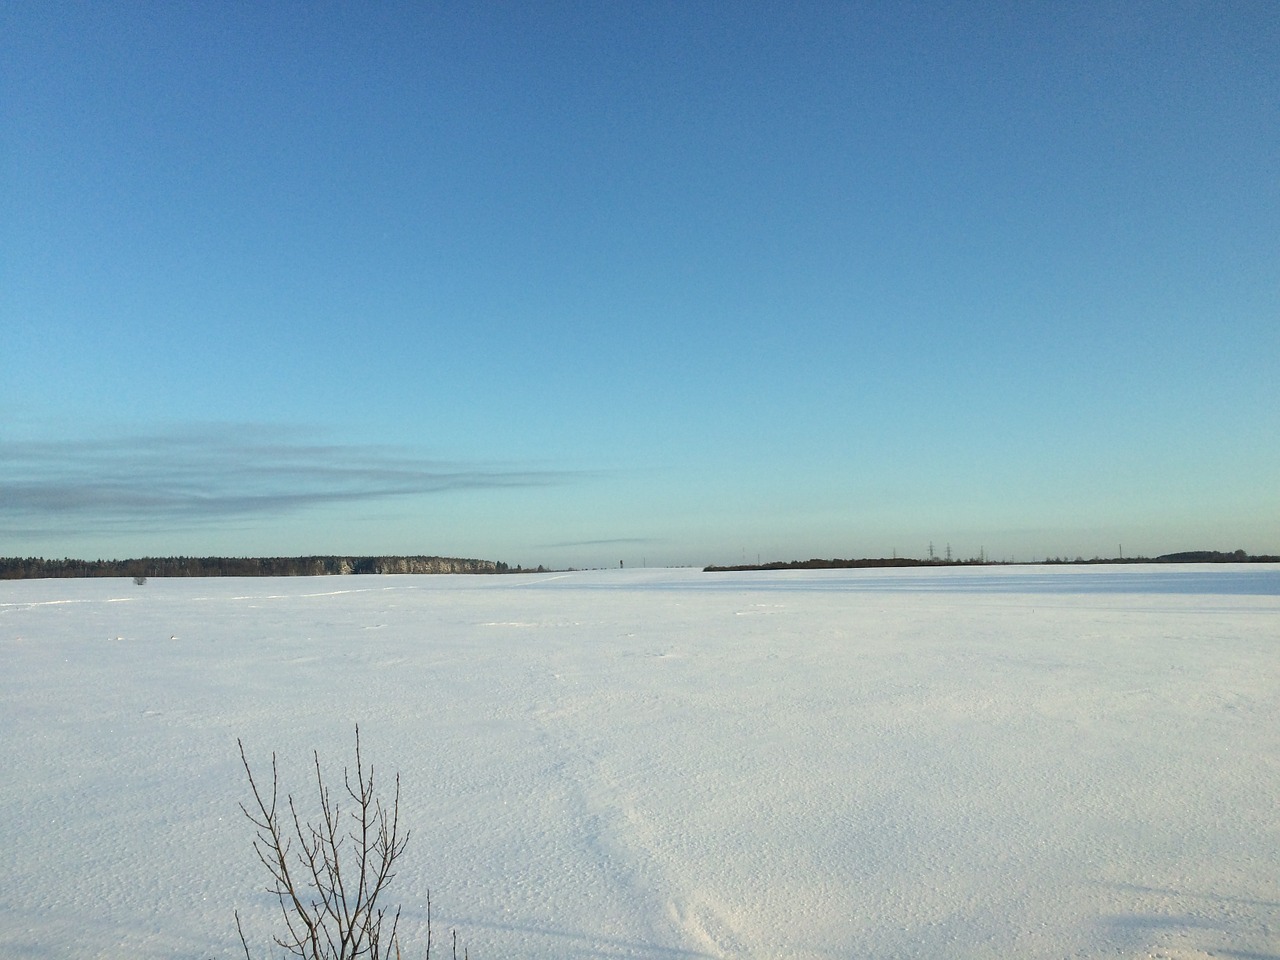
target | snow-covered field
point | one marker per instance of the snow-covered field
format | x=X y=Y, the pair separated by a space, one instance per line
x=956 y=763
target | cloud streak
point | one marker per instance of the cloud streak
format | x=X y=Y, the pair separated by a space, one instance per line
x=617 y=541
x=203 y=475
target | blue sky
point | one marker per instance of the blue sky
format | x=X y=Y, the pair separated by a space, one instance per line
x=669 y=283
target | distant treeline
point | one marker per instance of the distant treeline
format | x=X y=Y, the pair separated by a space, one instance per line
x=1189 y=556
x=817 y=564
x=30 y=568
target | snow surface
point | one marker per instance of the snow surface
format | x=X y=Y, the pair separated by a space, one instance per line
x=971 y=763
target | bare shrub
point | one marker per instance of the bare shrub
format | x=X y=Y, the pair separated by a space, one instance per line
x=329 y=875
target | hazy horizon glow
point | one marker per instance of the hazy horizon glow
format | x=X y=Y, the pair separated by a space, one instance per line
x=578 y=284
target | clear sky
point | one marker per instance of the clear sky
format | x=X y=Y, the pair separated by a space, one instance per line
x=574 y=283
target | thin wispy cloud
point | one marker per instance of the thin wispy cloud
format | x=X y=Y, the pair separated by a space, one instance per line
x=207 y=474
x=602 y=543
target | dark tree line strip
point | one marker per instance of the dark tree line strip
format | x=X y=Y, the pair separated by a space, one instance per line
x=30 y=568
x=1189 y=556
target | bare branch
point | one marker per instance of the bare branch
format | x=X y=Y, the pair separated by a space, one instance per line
x=329 y=879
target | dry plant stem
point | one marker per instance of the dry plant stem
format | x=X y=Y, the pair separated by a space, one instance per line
x=328 y=875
